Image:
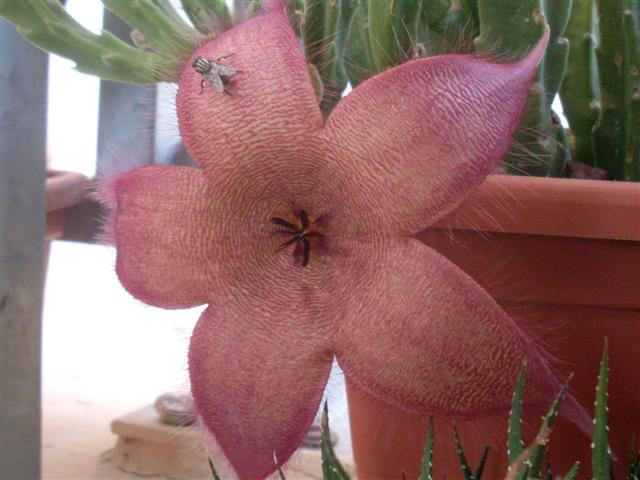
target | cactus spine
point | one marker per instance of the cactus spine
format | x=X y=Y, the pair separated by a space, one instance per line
x=611 y=130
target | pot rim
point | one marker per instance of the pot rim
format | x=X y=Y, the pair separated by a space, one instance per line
x=65 y=189
x=551 y=206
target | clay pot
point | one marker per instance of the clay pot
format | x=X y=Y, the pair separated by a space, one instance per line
x=563 y=256
x=64 y=189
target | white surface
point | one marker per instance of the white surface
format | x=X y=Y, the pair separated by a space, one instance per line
x=105 y=355
x=72 y=109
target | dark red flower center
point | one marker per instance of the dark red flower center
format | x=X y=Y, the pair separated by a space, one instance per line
x=304 y=232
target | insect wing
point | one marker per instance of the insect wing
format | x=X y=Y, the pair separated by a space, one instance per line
x=214 y=80
x=223 y=69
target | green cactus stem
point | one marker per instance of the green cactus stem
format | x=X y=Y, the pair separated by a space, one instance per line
x=332 y=469
x=426 y=467
x=600 y=451
x=338 y=15
x=325 y=27
x=572 y=474
x=208 y=16
x=47 y=25
x=460 y=27
x=164 y=29
x=580 y=90
x=381 y=35
x=562 y=156
x=632 y=36
x=434 y=11
x=313 y=30
x=509 y=29
x=358 y=62
x=392 y=30
x=611 y=129
x=555 y=58
x=550 y=78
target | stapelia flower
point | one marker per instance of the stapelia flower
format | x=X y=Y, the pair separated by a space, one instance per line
x=345 y=197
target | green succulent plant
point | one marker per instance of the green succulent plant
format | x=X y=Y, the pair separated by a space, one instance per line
x=592 y=60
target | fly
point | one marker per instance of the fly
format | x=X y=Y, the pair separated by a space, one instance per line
x=215 y=72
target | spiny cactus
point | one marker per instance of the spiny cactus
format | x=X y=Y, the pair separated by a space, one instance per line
x=208 y=16
x=601 y=453
x=537 y=148
x=325 y=27
x=348 y=41
x=611 y=129
x=48 y=25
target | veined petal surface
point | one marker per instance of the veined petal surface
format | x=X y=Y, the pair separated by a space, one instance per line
x=414 y=141
x=164 y=235
x=271 y=109
x=258 y=372
x=420 y=334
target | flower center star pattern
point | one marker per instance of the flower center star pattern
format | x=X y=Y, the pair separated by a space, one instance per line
x=298 y=235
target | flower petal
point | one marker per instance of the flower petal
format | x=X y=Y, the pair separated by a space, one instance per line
x=415 y=140
x=258 y=372
x=163 y=235
x=271 y=105
x=422 y=336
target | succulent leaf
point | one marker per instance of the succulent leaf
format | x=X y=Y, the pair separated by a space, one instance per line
x=600 y=451
x=538 y=450
x=572 y=474
x=464 y=465
x=332 y=469
x=515 y=445
x=483 y=461
x=427 y=458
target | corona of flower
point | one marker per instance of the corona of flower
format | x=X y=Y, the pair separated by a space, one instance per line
x=298 y=234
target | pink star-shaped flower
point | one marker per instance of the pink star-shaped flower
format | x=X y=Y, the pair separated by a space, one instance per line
x=345 y=197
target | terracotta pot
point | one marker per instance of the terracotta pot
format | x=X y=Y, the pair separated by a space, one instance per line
x=563 y=256
x=64 y=189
